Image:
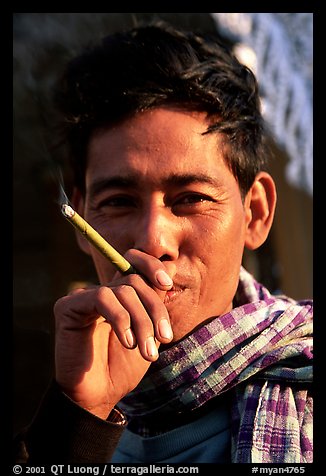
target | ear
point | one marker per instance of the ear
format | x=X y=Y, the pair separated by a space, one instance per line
x=260 y=203
x=78 y=203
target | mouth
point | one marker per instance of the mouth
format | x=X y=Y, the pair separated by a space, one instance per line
x=173 y=294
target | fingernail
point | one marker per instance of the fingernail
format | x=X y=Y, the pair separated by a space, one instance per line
x=151 y=348
x=130 y=338
x=163 y=278
x=165 y=329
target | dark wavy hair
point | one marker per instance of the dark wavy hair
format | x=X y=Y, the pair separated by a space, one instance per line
x=157 y=65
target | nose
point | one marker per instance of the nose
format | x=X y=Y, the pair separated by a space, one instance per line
x=158 y=233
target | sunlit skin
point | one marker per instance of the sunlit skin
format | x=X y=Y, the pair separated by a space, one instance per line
x=162 y=194
x=171 y=196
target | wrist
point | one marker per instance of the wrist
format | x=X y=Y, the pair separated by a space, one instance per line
x=100 y=411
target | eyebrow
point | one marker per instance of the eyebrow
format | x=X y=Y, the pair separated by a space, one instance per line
x=132 y=181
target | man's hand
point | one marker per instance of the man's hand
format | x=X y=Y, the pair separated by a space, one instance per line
x=107 y=336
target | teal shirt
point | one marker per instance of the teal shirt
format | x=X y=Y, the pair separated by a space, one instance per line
x=205 y=440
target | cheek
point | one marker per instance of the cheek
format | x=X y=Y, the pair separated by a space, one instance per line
x=219 y=258
x=119 y=236
x=221 y=241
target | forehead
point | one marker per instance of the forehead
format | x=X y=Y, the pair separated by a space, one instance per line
x=155 y=144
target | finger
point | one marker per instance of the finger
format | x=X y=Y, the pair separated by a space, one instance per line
x=159 y=274
x=76 y=310
x=83 y=307
x=141 y=323
x=148 y=315
x=155 y=308
x=119 y=306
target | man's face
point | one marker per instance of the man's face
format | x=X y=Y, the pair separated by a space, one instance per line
x=155 y=183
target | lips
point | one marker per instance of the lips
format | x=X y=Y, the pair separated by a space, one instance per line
x=173 y=294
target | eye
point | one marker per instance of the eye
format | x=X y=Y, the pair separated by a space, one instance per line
x=193 y=199
x=118 y=201
x=192 y=203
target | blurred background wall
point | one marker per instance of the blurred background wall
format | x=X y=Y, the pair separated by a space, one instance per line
x=47 y=261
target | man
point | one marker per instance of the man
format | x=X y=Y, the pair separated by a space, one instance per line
x=189 y=360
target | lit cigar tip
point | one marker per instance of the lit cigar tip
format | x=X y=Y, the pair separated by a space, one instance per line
x=67 y=210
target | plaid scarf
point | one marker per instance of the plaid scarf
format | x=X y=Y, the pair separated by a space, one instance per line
x=262 y=349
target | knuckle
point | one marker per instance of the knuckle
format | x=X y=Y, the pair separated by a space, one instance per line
x=115 y=313
x=134 y=280
x=59 y=305
x=124 y=290
x=122 y=318
x=102 y=294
